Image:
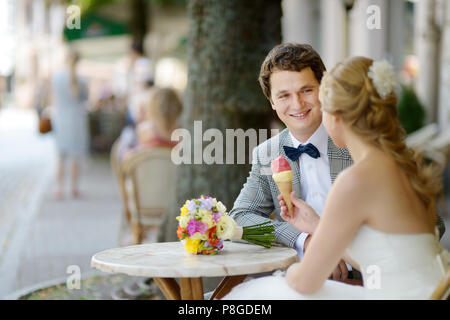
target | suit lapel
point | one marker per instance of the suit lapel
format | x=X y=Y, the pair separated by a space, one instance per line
x=285 y=140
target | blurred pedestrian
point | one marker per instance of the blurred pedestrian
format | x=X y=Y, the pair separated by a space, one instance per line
x=69 y=121
x=141 y=77
x=2 y=89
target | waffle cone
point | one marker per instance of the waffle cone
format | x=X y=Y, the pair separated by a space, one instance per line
x=285 y=188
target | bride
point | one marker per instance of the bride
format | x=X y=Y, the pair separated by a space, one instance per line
x=380 y=213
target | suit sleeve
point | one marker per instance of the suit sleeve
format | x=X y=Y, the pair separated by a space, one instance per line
x=441 y=226
x=255 y=204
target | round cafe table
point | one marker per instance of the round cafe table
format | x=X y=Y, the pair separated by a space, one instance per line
x=166 y=261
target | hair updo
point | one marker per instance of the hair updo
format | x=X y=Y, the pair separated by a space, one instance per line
x=348 y=93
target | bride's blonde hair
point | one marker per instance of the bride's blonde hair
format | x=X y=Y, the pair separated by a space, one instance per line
x=348 y=92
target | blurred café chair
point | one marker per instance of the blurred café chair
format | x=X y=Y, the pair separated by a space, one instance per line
x=440 y=143
x=438 y=149
x=435 y=147
x=120 y=179
x=149 y=188
x=418 y=139
x=442 y=291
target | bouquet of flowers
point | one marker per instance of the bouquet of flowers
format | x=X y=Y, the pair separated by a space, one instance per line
x=204 y=224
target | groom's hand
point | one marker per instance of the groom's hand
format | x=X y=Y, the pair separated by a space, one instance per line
x=340 y=272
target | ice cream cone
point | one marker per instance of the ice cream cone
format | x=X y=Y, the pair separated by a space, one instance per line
x=285 y=188
x=284 y=182
x=282 y=175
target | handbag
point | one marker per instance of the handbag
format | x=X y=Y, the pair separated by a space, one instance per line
x=45 y=124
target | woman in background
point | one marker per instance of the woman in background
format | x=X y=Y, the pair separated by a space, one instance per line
x=69 y=121
x=159 y=112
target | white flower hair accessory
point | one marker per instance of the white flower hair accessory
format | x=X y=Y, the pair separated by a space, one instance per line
x=383 y=77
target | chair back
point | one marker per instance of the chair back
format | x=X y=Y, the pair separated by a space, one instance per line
x=113 y=158
x=150 y=184
x=442 y=291
x=418 y=139
x=441 y=143
x=118 y=173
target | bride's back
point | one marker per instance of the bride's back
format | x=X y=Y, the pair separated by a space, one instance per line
x=393 y=205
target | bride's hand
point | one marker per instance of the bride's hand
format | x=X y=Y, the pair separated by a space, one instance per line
x=305 y=218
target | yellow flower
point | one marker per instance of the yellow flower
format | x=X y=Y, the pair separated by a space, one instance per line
x=208 y=220
x=199 y=214
x=184 y=211
x=183 y=221
x=199 y=236
x=191 y=246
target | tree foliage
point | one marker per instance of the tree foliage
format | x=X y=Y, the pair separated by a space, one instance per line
x=411 y=113
x=92 y=5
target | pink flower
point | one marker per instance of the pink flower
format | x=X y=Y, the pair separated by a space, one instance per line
x=196 y=226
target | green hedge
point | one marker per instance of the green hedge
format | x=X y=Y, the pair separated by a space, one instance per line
x=411 y=112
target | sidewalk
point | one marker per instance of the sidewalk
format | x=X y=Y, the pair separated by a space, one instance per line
x=42 y=237
x=69 y=232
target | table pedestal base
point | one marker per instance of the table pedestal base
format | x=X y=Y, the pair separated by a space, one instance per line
x=192 y=288
x=169 y=287
x=226 y=285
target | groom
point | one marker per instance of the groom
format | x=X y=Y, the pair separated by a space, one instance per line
x=290 y=77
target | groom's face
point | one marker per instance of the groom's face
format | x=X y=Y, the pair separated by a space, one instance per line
x=295 y=98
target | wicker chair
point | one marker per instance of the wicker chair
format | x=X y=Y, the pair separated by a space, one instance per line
x=442 y=291
x=120 y=178
x=149 y=183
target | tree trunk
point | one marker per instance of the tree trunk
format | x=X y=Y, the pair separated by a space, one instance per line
x=427 y=48
x=444 y=88
x=228 y=42
x=139 y=20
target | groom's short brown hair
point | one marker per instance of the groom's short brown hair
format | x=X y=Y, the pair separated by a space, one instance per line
x=289 y=57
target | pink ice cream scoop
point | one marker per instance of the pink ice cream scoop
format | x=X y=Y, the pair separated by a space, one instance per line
x=280 y=164
x=282 y=175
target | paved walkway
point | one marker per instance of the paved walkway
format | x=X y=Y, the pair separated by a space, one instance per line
x=39 y=236
x=67 y=233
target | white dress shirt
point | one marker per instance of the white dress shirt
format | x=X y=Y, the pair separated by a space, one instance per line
x=315 y=177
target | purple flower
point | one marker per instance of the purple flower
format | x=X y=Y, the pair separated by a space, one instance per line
x=218 y=246
x=216 y=216
x=191 y=206
x=196 y=226
x=207 y=244
x=206 y=204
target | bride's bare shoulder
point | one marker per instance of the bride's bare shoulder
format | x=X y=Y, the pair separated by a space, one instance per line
x=366 y=176
x=350 y=194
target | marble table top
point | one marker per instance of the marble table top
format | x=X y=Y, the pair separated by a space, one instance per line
x=170 y=260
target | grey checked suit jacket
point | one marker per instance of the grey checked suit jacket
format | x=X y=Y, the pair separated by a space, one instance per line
x=258 y=197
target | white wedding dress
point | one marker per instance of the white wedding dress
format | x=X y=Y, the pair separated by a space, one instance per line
x=393 y=266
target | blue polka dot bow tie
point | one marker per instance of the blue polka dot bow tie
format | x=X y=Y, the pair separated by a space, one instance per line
x=295 y=153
